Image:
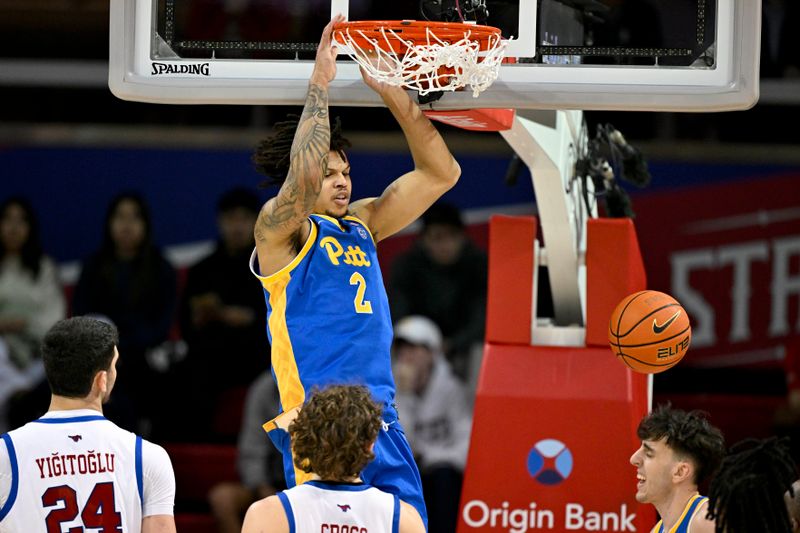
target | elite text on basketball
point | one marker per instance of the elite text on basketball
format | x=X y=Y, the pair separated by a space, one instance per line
x=673 y=350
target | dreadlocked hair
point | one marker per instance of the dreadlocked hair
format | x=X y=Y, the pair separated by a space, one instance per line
x=271 y=156
x=747 y=493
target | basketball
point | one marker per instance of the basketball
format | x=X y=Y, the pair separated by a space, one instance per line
x=649 y=331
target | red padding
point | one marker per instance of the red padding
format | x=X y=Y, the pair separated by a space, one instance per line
x=614 y=269
x=553 y=431
x=198 y=467
x=508 y=309
x=475 y=119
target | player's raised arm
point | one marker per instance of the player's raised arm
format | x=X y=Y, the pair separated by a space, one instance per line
x=435 y=168
x=282 y=223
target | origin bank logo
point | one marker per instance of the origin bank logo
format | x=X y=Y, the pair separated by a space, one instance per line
x=550 y=462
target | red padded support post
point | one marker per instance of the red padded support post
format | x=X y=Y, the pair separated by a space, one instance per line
x=614 y=269
x=511 y=278
x=554 y=427
x=580 y=405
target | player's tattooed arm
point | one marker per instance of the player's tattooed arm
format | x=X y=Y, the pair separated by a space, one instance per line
x=286 y=212
x=282 y=225
x=283 y=217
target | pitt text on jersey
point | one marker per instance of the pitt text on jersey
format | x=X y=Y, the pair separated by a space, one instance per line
x=354 y=255
x=91 y=462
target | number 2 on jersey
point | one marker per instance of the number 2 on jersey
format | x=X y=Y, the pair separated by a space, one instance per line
x=99 y=513
x=362 y=305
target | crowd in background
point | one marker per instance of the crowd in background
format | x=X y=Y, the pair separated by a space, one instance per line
x=191 y=343
x=194 y=343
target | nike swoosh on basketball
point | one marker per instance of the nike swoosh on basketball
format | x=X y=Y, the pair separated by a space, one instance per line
x=658 y=329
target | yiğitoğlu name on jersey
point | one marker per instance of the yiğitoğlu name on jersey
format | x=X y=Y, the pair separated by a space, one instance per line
x=71 y=464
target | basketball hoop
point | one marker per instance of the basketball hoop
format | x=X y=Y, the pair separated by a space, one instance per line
x=425 y=56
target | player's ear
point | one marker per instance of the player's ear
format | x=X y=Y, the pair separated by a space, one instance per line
x=682 y=470
x=100 y=382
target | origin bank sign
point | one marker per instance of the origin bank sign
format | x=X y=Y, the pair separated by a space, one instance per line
x=549 y=462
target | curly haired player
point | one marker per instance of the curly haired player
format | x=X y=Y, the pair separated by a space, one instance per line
x=333 y=438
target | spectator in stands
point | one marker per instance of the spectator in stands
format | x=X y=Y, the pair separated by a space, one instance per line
x=31 y=301
x=443 y=277
x=747 y=494
x=433 y=407
x=259 y=463
x=222 y=316
x=130 y=282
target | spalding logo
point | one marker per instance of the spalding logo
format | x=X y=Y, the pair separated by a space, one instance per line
x=199 y=69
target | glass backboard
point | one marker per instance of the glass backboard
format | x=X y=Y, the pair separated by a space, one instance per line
x=669 y=55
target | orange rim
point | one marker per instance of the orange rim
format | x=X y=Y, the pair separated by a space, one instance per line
x=414 y=31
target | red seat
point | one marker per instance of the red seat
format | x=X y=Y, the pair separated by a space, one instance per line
x=227 y=417
x=198 y=467
x=195 y=523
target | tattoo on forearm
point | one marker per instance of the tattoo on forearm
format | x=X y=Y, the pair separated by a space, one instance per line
x=308 y=166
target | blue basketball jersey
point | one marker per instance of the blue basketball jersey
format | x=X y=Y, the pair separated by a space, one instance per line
x=328 y=316
x=682 y=526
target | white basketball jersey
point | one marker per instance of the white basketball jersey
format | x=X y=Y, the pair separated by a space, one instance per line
x=73 y=470
x=324 y=507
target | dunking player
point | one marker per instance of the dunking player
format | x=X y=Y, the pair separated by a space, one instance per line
x=72 y=469
x=679 y=451
x=332 y=439
x=328 y=316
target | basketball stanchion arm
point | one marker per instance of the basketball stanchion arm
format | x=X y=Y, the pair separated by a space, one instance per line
x=549 y=150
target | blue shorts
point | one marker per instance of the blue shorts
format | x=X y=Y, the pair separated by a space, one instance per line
x=393 y=470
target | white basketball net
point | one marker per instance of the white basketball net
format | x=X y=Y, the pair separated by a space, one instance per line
x=419 y=66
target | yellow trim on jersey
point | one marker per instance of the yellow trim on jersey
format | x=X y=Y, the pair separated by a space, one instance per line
x=287 y=375
x=674 y=528
x=356 y=219
x=292 y=392
x=282 y=422
x=352 y=218
x=330 y=219
x=267 y=280
x=696 y=510
x=284 y=364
